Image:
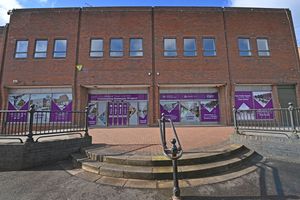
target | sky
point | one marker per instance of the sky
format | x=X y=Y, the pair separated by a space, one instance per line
x=293 y=5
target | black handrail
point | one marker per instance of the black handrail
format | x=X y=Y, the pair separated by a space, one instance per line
x=174 y=153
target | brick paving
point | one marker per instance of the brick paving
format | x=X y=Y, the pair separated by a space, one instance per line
x=147 y=140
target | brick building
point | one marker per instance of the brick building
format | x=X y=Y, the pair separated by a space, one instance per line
x=132 y=63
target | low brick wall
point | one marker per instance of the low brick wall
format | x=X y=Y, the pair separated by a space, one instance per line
x=17 y=156
x=281 y=148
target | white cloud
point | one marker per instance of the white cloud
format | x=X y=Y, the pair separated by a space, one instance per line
x=293 y=5
x=6 y=5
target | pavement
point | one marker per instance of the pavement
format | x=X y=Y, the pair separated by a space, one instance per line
x=147 y=140
x=273 y=180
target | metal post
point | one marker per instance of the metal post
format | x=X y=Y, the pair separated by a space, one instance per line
x=291 y=111
x=30 y=131
x=234 y=120
x=163 y=124
x=176 y=190
x=86 y=122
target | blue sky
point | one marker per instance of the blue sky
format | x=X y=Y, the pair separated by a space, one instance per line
x=293 y=5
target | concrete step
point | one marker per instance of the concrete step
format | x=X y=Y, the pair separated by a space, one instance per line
x=188 y=158
x=165 y=172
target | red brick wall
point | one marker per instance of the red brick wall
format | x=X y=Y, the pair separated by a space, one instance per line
x=41 y=24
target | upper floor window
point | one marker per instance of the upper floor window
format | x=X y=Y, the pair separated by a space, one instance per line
x=263 y=47
x=209 y=47
x=116 y=48
x=40 y=48
x=136 y=47
x=60 y=48
x=21 y=49
x=96 y=48
x=170 y=47
x=244 y=46
x=190 y=48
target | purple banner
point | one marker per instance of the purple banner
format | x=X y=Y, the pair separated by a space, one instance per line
x=188 y=96
x=243 y=100
x=59 y=113
x=142 y=112
x=110 y=97
x=125 y=113
x=210 y=111
x=18 y=116
x=110 y=113
x=263 y=101
x=170 y=110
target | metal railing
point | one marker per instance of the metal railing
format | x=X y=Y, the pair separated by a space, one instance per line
x=30 y=123
x=277 y=120
x=174 y=152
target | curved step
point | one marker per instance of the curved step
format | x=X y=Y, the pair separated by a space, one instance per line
x=186 y=159
x=165 y=172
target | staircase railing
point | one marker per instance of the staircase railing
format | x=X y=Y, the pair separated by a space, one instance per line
x=173 y=153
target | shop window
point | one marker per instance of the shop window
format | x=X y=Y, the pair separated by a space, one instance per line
x=60 y=48
x=244 y=47
x=262 y=47
x=170 y=47
x=190 y=48
x=21 y=49
x=40 y=49
x=116 y=48
x=96 y=49
x=209 y=47
x=136 y=47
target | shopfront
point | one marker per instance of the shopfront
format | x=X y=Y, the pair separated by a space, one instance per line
x=259 y=97
x=191 y=106
x=58 y=100
x=112 y=108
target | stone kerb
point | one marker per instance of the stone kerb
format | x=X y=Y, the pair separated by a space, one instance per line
x=17 y=156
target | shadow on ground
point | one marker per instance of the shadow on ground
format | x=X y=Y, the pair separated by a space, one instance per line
x=270 y=197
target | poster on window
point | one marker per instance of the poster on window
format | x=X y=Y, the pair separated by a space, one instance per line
x=17 y=102
x=132 y=112
x=244 y=102
x=61 y=107
x=92 y=114
x=263 y=102
x=142 y=112
x=189 y=112
x=41 y=102
x=170 y=110
x=102 y=113
x=210 y=110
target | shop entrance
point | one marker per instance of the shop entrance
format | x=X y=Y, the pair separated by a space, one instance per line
x=117 y=113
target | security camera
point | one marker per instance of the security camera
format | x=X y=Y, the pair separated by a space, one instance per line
x=9 y=12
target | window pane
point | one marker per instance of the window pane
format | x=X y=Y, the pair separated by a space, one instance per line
x=96 y=54
x=97 y=45
x=59 y=54
x=40 y=55
x=262 y=44
x=60 y=48
x=170 y=53
x=41 y=45
x=22 y=46
x=116 y=44
x=209 y=53
x=170 y=44
x=60 y=45
x=136 y=44
x=116 y=53
x=245 y=53
x=190 y=53
x=209 y=44
x=189 y=44
x=264 y=53
x=244 y=44
x=136 y=53
x=21 y=55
